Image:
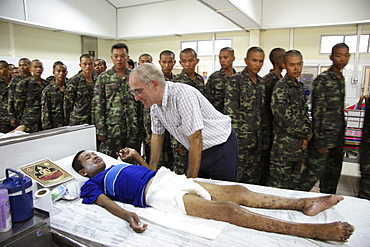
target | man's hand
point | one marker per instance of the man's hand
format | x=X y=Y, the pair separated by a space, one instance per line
x=131 y=217
x=101 y=138
x=13 y=123
x=323 y=150
x=135 y=223
x=304 y=144
x=127 y=153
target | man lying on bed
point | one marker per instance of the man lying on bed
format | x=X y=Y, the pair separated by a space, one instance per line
x=166 y=191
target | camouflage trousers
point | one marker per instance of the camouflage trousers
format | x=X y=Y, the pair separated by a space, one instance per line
x=285 y=174
x=365 y=171
x=250 y=169
x=326 y=167
x=5 y=127
x=32 y=126
x=180 y=157
x=265 y=163
x=118 y=138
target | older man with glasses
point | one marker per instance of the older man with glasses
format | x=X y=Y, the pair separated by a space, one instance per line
x=188 y=116
x=117 y=117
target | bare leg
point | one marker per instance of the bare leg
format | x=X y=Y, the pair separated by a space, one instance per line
x=234 y=214
x=241 y=195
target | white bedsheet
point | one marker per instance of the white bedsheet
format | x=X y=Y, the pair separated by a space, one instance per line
x=96 y=224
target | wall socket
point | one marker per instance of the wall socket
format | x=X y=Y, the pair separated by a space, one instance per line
x=354 y=80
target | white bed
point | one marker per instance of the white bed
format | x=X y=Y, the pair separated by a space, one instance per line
x=90 y=225
x=166 y=229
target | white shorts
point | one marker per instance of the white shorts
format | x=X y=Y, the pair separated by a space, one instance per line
x=167 y=190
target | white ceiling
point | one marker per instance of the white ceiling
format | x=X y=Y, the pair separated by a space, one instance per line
x=136 y=19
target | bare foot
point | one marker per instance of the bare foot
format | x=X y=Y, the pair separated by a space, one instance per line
x=336 y=231
x=316 y=205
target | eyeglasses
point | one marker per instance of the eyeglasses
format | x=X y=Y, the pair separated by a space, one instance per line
x=138 y=91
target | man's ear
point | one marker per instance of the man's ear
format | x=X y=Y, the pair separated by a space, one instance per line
x=82 y=173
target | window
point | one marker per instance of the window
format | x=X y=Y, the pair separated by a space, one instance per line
x=328 y=41
x=205 y=47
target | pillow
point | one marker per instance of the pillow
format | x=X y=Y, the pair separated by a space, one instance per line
x=75 y=184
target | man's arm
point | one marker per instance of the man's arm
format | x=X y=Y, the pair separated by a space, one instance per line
x=195 y=154
x=113 y=208
x=130 y=152
x=156 y=145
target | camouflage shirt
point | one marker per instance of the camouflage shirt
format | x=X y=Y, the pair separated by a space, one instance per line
x=198 y=83
x=13 y=84
x=52 y=112
x=27 y=98
x=291 y=120
x=113 y=104
x=328 y=110
x=270 y=80
x=244 y=103
x=215 y=88
x=4 y=89
x=169 y=79
x=77 y=100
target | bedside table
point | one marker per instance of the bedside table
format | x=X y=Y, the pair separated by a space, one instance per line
x=32 y=232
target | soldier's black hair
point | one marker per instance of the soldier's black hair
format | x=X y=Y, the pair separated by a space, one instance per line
x=25 y=59
x=254 y=49
x=131 y=62
x=291 y=53
x=168 y=53
x=229 y=49
x=145 y=54
x=86 y=56
x=102 y=61
x=120 y=46
x=338 y=46
x=189 y=50
x=5 y=63
x=57 y=63
x=275 y=54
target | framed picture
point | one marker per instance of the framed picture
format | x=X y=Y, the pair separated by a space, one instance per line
x=46 y=173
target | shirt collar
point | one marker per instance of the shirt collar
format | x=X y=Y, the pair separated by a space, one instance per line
x=165 y=93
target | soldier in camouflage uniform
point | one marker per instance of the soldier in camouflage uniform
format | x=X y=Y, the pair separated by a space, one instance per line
x=51 y=79
x=79 y=93
x=118 y=118
x=147 y=133
x=292 y=126
x=325 y=150
x=217 y=82
x=27 y=98
x=188 y=61
x=365 y=156
x=24 y=69
x=5 y=126
x=276 y=58
x=167 y=62
x=52 y=112
x=244 y=103
x=100 y=66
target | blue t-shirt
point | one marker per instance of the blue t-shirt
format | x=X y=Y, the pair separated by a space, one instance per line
x=124 y=183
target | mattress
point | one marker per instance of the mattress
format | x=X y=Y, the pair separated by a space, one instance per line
x=93 y=224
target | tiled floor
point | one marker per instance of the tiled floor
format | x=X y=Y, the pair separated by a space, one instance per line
x=349 y=180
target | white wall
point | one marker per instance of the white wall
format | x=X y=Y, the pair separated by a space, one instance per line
x=93 y=17
x=293 y=13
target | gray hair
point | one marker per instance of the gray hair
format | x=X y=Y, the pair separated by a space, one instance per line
x=147 y=72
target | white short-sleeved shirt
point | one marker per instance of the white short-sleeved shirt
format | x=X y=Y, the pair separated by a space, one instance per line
x=185 y=110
